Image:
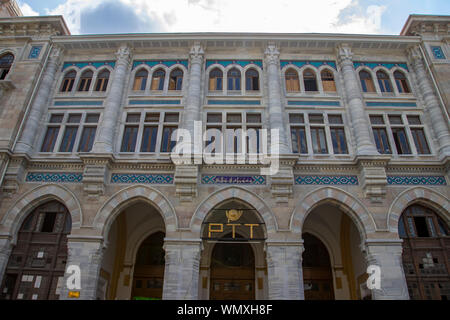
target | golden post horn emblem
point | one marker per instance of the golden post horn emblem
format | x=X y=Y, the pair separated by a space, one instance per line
x=233 y=214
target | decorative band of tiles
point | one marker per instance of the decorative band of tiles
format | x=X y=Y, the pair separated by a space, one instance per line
x=78 y=103
x=391 y=104
x=314 y=103
x=317 y=64
x=327 y=180
x=96 y=64
x=142 y=178
x=167 y=63
x=152 y=102
x=235 y=102
x=417 y=180
x=388 y=65
x=54 y=177
x=226 y=63
x=219 y=179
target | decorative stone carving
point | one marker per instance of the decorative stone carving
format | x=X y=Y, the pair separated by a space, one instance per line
x=373 y=177
x=14 y=175
x=186 y=181
x=196 y=54
x=272 y=54
x=96 y=174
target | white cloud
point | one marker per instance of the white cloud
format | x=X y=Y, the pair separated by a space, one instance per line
x=290 y=16
x=27 y=11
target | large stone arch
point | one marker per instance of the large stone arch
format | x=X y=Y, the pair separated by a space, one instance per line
x=17 y=213
x=422 y=195
x=343 y=200
x=123 y=198
x=229 y=193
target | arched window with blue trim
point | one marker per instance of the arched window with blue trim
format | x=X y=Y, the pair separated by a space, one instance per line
x=252 y=80
x=234 y=79
x=215 y=80
x=158 y=80
x=140 y=80
x=402 y=83
x=366 y=81
x=68 y=81
x=384 y=82
x=176 y=79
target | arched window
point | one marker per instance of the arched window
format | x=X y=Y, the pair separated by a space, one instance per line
x=402 y=83
x=425 y=248
x=5 y=65
x=158 y=80
x=102 y=80
x=384 y=82
x=234 y=79
x=328 y=81
x=366 y=81
x=68 y=81
x=292 y=81
x=37 y=263
x=215 y=79
x=140 y=80
x=309 y=79
x=176 y=79
x=85 y=81
x=252 y=80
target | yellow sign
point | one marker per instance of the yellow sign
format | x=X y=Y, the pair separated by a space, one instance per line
x=74 y=294
x=233 y=215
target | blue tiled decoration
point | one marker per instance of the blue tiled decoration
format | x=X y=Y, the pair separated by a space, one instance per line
x=54 y=177
x=151 y=102
x=242 y=63
x=235 y=102
x=388 y=65
x=222 y=179
x=167 y=63
x=327 y=180
x=35 y=52
x=314 y=103
x=95 y=64
x=437 y=52
x=391 y=104
x=78 y=103
x=317 y=64
x=417 y=180
x=142 y=178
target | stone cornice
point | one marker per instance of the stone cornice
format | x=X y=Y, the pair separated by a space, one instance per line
x=426 y=24
x=33 y=26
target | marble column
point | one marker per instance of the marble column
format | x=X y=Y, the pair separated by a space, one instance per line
x=5 y=252
x=182 y=269
x=87 y=254
x=276 y=110
x=104 y=141
x=355 y=105
x=432 y=106
x=285 y=272
x=39 y=105
x=387 y=255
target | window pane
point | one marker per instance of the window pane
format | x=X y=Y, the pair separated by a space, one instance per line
x=167 y=144
x=74 y=118
x=381 y=140
x=214 y=117
x=335 y=119
x=316 y=118
x=253 y=118
x=234 y=118
x=56 y=118
x=92 y=118
x=414 y=120
x=68 y=139
x=296 y=118
x=298 y=136
x=133 y=117
x=50 y=139
x=420 y=141
x=319 y=141
x=149 y=139
x=395 y=120
x=151 y=117
x=87 y=139
x=129 y=139
x=171 y=117
x=401 y=141
x=376 y=120
x=339 y=141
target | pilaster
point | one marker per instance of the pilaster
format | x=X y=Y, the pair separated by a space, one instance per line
x=15 y=174
x=96 y=173
x=5 y=252
x=373 y=176
x=186 y=181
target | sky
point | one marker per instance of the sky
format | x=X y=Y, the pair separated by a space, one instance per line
x=285 y=16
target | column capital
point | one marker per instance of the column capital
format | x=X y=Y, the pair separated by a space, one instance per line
x=414 y=54
x=56 y=54
x=197 y=53
x=124 y=54
x=272 y=54
x=344 y=53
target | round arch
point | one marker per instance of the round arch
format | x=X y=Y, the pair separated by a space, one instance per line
x=344 y=201
x=229 y=193
x=123 y=198
x=422 y=195
x=17 y=213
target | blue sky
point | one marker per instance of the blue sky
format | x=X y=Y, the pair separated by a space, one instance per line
x=298 y=16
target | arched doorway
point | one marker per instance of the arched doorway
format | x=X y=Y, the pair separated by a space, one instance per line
x=317 y=275
x=426 y=253
x=148 y=275
x=232 y=272
x=37 y=263
x=233 y=264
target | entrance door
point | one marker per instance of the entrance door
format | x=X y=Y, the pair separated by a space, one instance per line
x=232 y=272
x=318 y=280
x=148 y=276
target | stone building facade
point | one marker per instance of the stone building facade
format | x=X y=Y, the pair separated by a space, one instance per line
x=87 y=179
